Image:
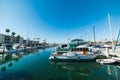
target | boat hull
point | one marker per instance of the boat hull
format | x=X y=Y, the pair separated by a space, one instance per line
x=65 y=58
x=106 y=61
x=89 y=57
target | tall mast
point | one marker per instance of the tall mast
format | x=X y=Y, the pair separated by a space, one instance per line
x=94 y=35
x=110 y=31
x=117 y=41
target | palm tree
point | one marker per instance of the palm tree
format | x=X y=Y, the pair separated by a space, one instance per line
x=8 y=38
x=7 y=30
x=18 y=36
x=13 y=33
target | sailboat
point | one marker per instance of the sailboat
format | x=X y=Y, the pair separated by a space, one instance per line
x=112 y=52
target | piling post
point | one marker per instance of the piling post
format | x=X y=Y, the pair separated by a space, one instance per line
x=107 y=52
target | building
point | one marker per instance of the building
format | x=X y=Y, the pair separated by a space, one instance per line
x=15 y=40
x=30 y=42
x=10 y=39
x=2 y=38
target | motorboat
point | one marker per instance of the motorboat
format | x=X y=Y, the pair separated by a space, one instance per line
x=4 y=48
x=80 y=53
x=106 y=61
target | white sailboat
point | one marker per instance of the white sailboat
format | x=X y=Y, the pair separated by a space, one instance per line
x=108 y=52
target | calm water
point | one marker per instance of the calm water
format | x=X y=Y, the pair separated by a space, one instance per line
x=35 y=66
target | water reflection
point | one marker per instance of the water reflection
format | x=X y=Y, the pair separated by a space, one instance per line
x=87 y=71
x=35 y=66
x=107 y=72
x=77 y=70
x=6 y=59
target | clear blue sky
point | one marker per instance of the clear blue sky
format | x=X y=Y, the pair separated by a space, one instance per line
x=53 y=19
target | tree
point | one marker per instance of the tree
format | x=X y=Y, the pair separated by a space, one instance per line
x=18 y=38
x=8 y=38
x=7 y=30
x=13 y=33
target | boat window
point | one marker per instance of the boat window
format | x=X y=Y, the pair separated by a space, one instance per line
x=83 y=49
x=74 y=49
x=77 y=49
x=87 y=49
x=80 y=49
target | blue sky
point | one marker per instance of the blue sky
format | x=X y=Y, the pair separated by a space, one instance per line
x=53 y=19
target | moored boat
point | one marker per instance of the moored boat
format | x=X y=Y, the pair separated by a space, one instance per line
x=106 y=61
x=5 y=48
x=80 y=53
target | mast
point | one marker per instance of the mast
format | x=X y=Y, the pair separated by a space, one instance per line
x=68 y=38
x=94 y=35
x=110 y=31
x=117 y=40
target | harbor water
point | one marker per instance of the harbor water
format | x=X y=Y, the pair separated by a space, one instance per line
x=34 y=65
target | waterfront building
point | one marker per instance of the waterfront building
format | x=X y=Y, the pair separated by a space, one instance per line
x=2 y=37
x=30 y=42
x=10 y=39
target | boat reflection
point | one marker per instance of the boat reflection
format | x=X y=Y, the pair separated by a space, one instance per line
x=77 y=70
x=87 y=71
x=6 y=59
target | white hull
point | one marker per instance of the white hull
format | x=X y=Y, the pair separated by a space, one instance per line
x=11 y=51
x=1 y=50
x=7 y=51
x=79 y=57
x=88 y=56
x=66 y=57
x=105 y=61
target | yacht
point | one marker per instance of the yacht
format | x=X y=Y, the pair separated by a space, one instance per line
x=80 y=53
x=6 y=48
